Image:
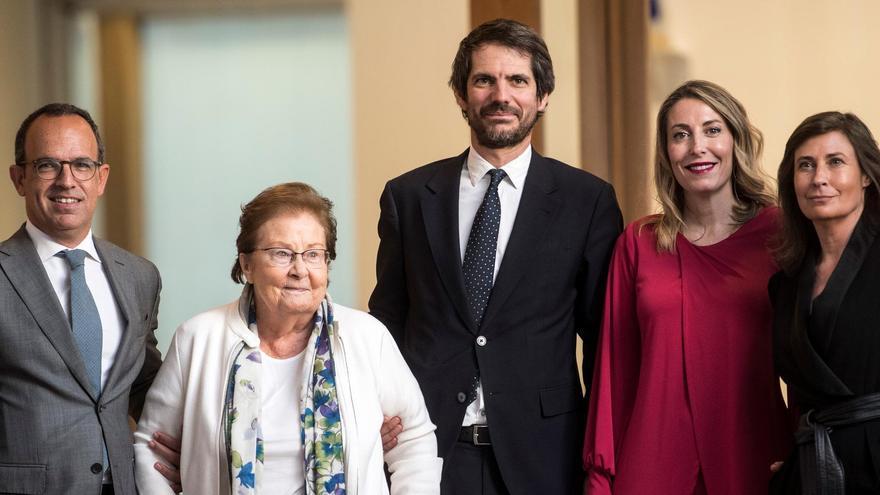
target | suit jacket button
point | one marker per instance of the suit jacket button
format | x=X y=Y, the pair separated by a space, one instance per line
x=481 y=341
x=97 y=468
x=461 y=397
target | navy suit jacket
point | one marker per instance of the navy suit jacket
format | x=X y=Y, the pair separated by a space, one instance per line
x=549 y=287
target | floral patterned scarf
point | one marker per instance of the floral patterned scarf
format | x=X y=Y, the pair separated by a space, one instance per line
x=320 y=421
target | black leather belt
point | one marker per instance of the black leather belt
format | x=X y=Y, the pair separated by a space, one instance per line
x=821 y=471
x=475 y=434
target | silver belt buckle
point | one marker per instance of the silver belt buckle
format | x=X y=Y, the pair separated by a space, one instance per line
x=477 y=429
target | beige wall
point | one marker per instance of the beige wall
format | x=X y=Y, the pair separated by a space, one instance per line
x=404 y=113
x=784 y=59
x=20 y=91
x=562 y=129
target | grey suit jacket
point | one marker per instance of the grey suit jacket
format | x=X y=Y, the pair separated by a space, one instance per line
x=51 y=423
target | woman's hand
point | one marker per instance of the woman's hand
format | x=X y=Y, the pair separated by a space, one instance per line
x=776 y=466
x=168 y=448
x=391 y=427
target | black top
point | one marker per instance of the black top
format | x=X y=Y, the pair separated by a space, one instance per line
x=828 y=350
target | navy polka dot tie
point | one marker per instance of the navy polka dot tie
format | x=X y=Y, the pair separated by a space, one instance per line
x=479 y=255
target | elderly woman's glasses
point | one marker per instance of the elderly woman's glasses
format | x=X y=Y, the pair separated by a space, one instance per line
x=313 y=258
x=50 y=168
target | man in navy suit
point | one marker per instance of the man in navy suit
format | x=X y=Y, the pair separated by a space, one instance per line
x=485 y=278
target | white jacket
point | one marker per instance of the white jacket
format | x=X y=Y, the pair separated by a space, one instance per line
x=186 y=400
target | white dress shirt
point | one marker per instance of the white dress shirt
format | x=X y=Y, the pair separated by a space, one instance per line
x=58 y=270
x=472 y=188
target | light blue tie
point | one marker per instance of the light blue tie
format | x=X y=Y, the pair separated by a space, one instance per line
x=86 y=323
x=84 y=317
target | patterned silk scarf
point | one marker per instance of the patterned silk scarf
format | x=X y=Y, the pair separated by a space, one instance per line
x=321 y=425
x=320 y=419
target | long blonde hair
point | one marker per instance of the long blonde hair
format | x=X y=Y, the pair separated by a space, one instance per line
x=751 y=186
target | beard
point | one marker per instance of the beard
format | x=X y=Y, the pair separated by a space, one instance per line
x=494 y=138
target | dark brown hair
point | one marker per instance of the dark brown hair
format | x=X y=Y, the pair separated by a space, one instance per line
x=54 y=110
x=509 y=33
x=290 y=197
x=798 y=235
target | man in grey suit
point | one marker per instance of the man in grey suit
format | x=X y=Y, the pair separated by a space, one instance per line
x=77 y=316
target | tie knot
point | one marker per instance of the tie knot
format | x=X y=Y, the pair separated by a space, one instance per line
x=497 y=175
x=75 y=257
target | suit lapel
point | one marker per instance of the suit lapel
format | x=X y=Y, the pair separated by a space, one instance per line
x=807 y=353
x=808 y=360
x=537 y=206
x=123 y=290
x=439 y=202
x=25 y=271
x=851 y=260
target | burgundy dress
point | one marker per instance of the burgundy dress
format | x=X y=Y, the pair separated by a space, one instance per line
x=684 y=398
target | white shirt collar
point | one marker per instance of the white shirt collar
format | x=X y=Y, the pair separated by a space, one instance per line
x=47 y=248
x=516 y=169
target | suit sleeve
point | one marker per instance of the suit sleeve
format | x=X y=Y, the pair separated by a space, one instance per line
x=413 y=463
x=152 y=359
x=616 y=373
x=389 y=302
x=605 y=227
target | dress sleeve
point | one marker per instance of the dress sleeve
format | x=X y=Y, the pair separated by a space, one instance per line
x=163 y=411
x=413 y=462
x=616 y=369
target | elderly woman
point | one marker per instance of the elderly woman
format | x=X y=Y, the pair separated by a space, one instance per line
x=281 y=391
x=827 y=305
x=684 y=399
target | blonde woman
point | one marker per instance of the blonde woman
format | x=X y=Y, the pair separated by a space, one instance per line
x=684 y=399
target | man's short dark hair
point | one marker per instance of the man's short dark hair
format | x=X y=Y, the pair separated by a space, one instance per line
x=509 y=33
x=55 y=110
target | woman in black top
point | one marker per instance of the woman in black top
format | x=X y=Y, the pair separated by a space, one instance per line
x=827 y=305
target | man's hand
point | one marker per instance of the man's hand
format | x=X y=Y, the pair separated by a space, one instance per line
x=168 y=448
x=391 y=427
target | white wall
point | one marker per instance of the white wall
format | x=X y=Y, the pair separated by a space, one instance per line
x=233 y=105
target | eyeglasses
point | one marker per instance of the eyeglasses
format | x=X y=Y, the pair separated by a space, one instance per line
x=50 y=168
x=313 y=258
